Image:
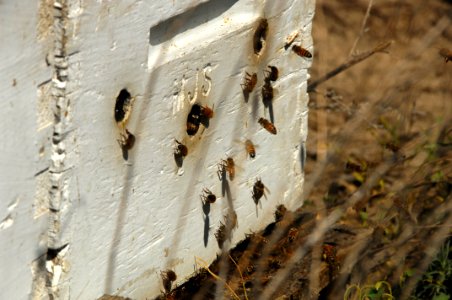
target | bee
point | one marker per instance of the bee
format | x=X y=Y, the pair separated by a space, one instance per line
x=123 y=108
x=180 y=150
x=221 y=235
x=292 y=235
x=250 y=82
x=206 y=112
x=258 y=190
x=300 y=51
x=267 y=125
x=267 y=93
x=194 y=119
x=127 y=140
x=260 y=35
x=271 y=75
x=250 y=149
x=446 y=53
x=231 y=220
x=228 y=166
x=168 y=277
x=280 y=212
x=208 y=196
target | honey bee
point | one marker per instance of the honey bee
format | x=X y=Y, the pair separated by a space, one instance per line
x=250 y=82
x=123 y=108
x=180 y=150
x=300 y=51
x=228 y=166
x=267 y=93
x=446 y=53
x=280 y=212
x=221 y=235
x=260 y=35
x=194 y=119
x=267 y=125
x=231 y=220
x=271 y=75
x=250 y=149
x=127 y=140
x=292 y=235
x=168 y=277
x=208 y=196
x=258 y=190
x=207 y=112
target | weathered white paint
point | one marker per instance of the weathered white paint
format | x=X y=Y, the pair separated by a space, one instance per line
x=122 y=222
x=25 y=130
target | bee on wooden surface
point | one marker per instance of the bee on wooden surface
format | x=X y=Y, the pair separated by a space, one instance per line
x=168 y=277
x=267 y=93
x=228 y=166
x=267 y=125
x=300 y=51
x=194 y=119
x=250 y=148
x=280 y=212
x=231 y=220
x=207 y=112
x=446 y=53
x=292 y=235
x=207 y=196
x=272 y=74
x=260 y=35
x=258 y=190
x=221 y=235
x=180 y=149
x=123 y=108
x=250 y=82
x=127 y=140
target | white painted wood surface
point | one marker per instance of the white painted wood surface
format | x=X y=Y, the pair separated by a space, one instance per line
x=120 y=222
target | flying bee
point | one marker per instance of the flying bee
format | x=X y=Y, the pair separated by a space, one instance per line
x=271 y=75
x=180 y=149
x=258 y=190
x=194 y=119
x=250 y=148
x=168 y=277
x=206 y=112
x=123 y=108
x=250 y=82
x=267 y=93
x=300 y=51
x=267 y=125
x=207 y=196
x=446 y=53
x=260 y=35
x=127 y=140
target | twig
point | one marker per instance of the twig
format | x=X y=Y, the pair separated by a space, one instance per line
x=351 y=62
x=363 y=26
x=241 y=276
x=205 y=266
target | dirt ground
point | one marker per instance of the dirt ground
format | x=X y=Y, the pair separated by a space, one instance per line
x=378 y=174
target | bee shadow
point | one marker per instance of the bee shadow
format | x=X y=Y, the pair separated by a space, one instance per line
x=246 y=95
x=206 y=211
x=269 y=105
x=125 y=153
x=179 y=159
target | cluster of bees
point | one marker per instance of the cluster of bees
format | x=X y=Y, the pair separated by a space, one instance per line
x=200 y=115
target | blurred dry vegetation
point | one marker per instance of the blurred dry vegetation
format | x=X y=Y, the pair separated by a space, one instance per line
x=377 y=218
